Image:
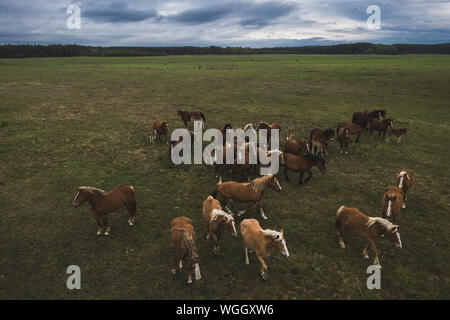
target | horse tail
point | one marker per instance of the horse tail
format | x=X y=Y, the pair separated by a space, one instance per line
x=216 y=188
x=203 y=116
x=338 y=214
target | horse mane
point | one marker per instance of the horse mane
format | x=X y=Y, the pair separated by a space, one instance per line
x=188 y=243
x=93 y=190
x=215 y=214
x=386 y=224
x=328 y=133
x=259 y=183
x=272 y=233
x=265 y=124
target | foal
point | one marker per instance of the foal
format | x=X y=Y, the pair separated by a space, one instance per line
x=103 y=203
x=391 y=203
x=344 y=138
x=302 y=164
x=160 y=128
x=405 y=181
x=183 y=239
x=380 y=126
x=319 y=140
x=262 y=242
x=250 y=192
x=396 y=132
x=355 y=128
x=367 y=227
x=216 y=220
x=191 y=116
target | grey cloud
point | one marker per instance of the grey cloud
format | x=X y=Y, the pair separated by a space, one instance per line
x=117 y=12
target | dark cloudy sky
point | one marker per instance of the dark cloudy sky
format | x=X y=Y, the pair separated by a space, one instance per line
x=254 y=23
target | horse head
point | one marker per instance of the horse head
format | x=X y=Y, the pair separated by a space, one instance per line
x=80 y=198
x=393 y=235
x=278 y=240
x=274 y=184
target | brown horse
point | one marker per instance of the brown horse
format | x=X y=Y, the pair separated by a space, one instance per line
x=391 y=203
x=380 y=125
x=103 y=203
x=183 y=239
x=366 y=227
x=224 y=129
x=295 y=147
x=262 y=242
x=250 y=192
x=269 y=128
x=355 y=128
x=191 y=116
x=302 y=164
x=216 y=221
x=396 y=132
x=319 y=140
x=405 y=180
x=160 y=128
x=344 y=138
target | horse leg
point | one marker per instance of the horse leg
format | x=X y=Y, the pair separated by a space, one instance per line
x=216 y=239
x=131 y=207
x=371 y=244
x=240 y=213
x=366 y=251
x=223 y=203
x=247 y=261
x=261 y=209
x=263 y=268
x=404 y=202
x=357 y=138
x=285 y=173
x=178 y=267
x=300 y=178
x=99 y=223
x=309 y=177
x=106 y=224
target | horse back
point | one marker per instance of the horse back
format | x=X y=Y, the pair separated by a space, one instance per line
x=240 y=192
x=250 y=231
x=177 y=227
x=354 y=219
x=208 y=206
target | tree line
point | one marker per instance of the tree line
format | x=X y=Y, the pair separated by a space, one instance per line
x=73 y=50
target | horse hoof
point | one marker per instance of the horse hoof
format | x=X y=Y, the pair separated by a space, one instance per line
x=190 y=281
x=264 y=276
x=247 y=262
x=366 y=257
x=99 y=233
x=106 y=233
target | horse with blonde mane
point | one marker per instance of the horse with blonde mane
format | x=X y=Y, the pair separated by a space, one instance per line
x=250 y=192
x=103 y=203
x=216 y=221
x=367 y=227
x=262 y=242
x=182 y=236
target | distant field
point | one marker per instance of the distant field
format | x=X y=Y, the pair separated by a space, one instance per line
x=66 y=122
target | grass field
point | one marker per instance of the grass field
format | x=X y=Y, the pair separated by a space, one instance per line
x=66 y=122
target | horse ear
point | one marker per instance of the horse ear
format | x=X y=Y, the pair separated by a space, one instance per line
x=281 y=231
